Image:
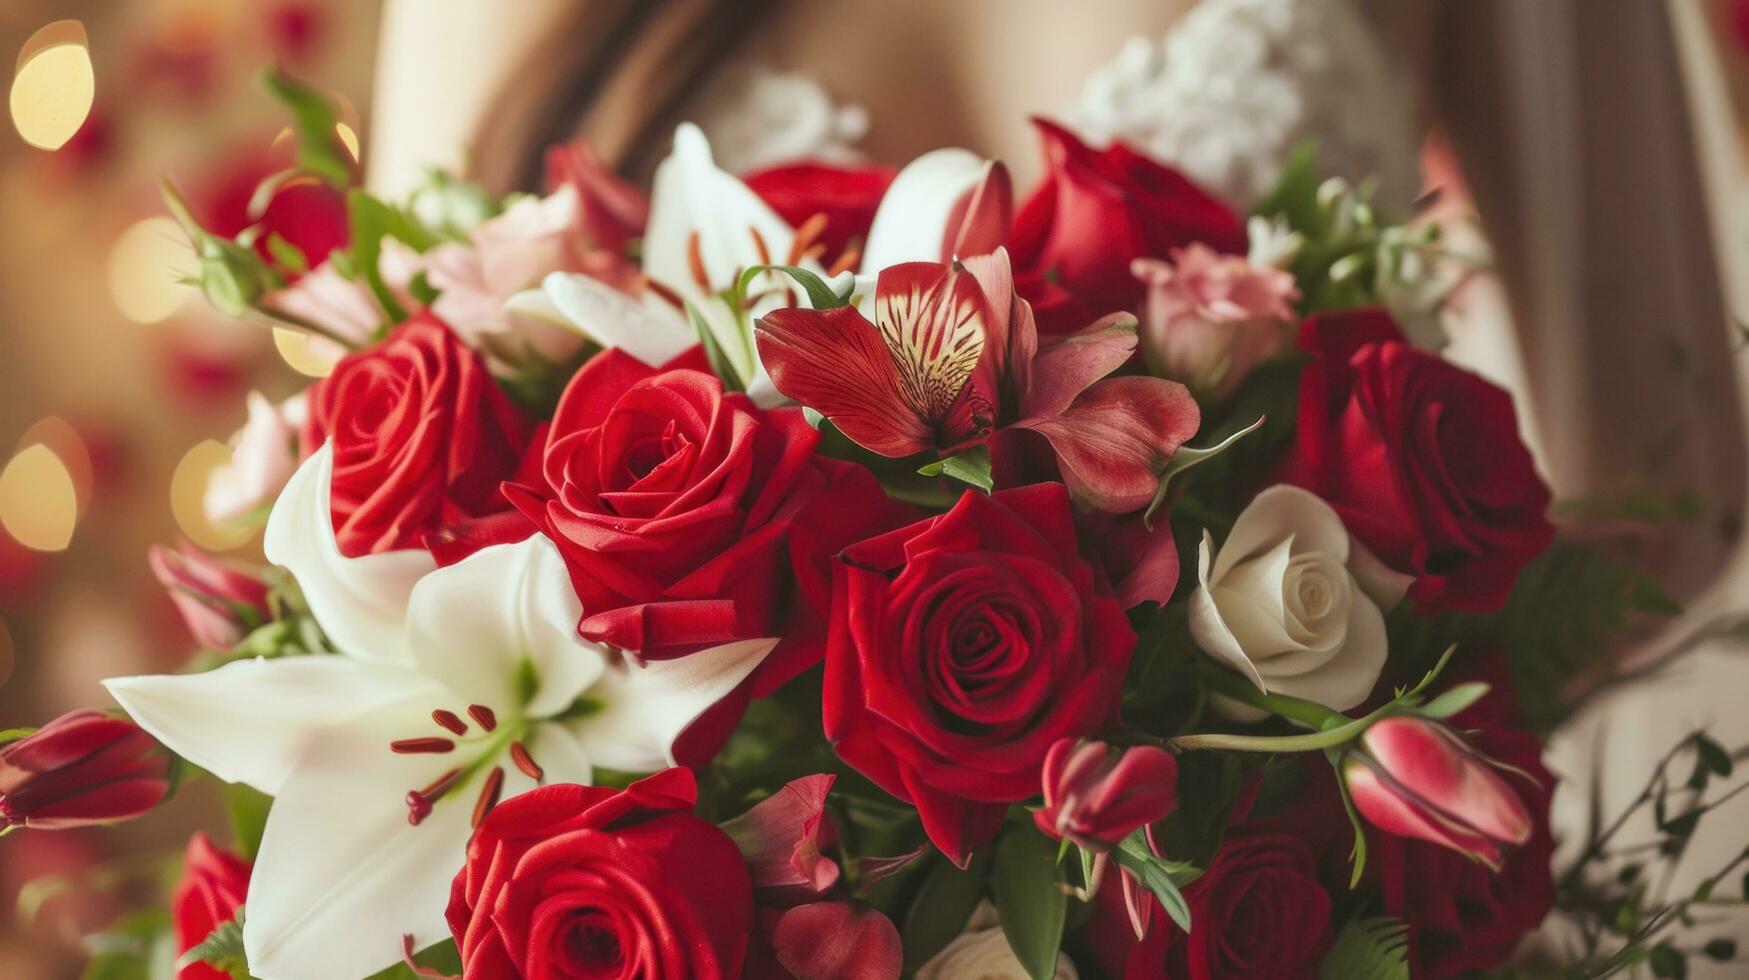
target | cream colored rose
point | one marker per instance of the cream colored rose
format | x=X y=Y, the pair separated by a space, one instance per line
x=981 y=953
x=1282 y=605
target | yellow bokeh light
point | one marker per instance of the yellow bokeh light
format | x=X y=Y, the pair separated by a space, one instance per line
x=69 y=447
x=187 y=498
x=348 y=138
x=39 y=505
x=306 y=355
x=146 y=266
x=53 y=86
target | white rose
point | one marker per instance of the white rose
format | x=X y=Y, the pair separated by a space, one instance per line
x=981 y=953
x=264 y=453
x=1283 y=606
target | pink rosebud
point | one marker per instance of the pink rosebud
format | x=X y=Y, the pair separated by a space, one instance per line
x=1096 y=800
x=219 y=603
x=1209 y=319
x=1415 y=777
x=83 y=768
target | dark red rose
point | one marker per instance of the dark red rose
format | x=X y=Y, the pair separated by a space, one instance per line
x=962 y=647
x=213 y=886
x=689 y=517
x=847 y=196
x=1257 y=913
x=1422 y=460
x=1463 y=917
x=83 y=768
x=587 y=881
x=422 y=438
x=1093 y=213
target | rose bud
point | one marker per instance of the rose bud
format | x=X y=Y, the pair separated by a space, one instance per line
x=1417 y=778
x=220 y=604
x=1208 y=319
x=1096 y=799
x=83 y=768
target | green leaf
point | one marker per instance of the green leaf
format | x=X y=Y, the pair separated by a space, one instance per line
x=287 y=254
x=1160 y=877
x=138 y=947
x=971 y=467
x=222 y=949
x=1720 y=950
x=1713 y=755
x=1455 y=700
x=1667 y=962
x=1030 y=905
x=820 y=294
x=372 y=220
x=314 y=118
x=1295 y=196
x=14 y=734
x=719 y=360
x=1368 y=949
x=943 y=905
x=1185 y=458
x=247 y=808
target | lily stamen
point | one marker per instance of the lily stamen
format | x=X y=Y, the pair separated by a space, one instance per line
x=450 y=721
x=489 y=794
x=525 y=762
x=483 y=716
x=421 y=746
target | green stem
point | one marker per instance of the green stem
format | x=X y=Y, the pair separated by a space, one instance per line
x=1239 y=689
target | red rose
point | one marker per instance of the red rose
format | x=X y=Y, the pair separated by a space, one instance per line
x=1464 y=918
x=1257 y=913
x=586 y=881
x=309 y=215
x=1094 y=212
x=214 y=883
x=846 y=196
x=1422 y=460
x=962 y=647
x=422 y=437
x=689 y=517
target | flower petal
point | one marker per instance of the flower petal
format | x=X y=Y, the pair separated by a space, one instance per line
x=835 y=362
x=1278 y=513
x=736 y=230
x=248 y=721
x=1349 y=676
x=933 y=319
x=919 y=209
x=1206 y=625
x=1065 y=368
x=500 y=628
x=361 y=603
x=644 y=709
x=648 y=329
x=1113 y=441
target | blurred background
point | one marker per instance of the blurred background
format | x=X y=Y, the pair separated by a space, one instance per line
x=118 y=389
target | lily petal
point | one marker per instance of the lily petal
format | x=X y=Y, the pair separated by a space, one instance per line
x=249 y=722
x=360 y=602
x=500 y=628
x=647 y=329
x=920 y=208
x=644 y=709
x=736 y=230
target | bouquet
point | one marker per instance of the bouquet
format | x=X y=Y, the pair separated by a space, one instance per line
x=840 y=571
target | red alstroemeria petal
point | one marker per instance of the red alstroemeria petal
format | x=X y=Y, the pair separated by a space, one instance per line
x=981 y=220
x=933 y=319
x=835 y=362
x=1112 y=442
x=1068 y=366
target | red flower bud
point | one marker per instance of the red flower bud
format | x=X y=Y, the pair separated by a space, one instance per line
x=1414 y=777
x=1096 y=800
x=84 y=767
x=219 y=603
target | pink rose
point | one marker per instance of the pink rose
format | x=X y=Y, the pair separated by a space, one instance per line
x=264 y=452
x=1208 y=319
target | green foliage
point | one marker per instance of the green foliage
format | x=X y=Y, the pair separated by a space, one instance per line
x=970 y=467
x=314 y=118
x=222 y=949
x=247 y=808
x=943 y=904
x=1029 y=901
x=139 y=947
x=820 y=293
x=721 y=364
x=1368 y=949
x=443 y=958
x=1157 y=875
x=371 y=221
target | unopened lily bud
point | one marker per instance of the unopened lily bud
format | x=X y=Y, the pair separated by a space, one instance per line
x=83 y=768
x=1415 y=777
x=1095 y=798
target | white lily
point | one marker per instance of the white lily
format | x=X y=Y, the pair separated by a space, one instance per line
x=381 y=759
x=707 y=227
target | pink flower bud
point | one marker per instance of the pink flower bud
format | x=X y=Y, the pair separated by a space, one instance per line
x=782 y=837
x=1417 y=778
x=1208 y=319
x=84 y=767
x=1096 y=799
x=219 y=603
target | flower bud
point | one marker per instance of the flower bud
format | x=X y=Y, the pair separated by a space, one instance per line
x=1096 y=799
x=1415 y=777
x=219 y=604
x=85 y=767
x=1209 y=319
x=232 y=276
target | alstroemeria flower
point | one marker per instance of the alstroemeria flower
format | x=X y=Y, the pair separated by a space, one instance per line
x=382 y=759
x=953 y=354
x=707 y=227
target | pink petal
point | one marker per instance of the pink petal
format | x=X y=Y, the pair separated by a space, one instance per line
x=1112 y=442
x=934 y=321
x=980 y=221
x=834 y=361
x=781 y=835
x=837 y=941
x=1072 y=364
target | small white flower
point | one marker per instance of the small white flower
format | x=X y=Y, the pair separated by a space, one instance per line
x=1283 y=606
x=982 y=952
